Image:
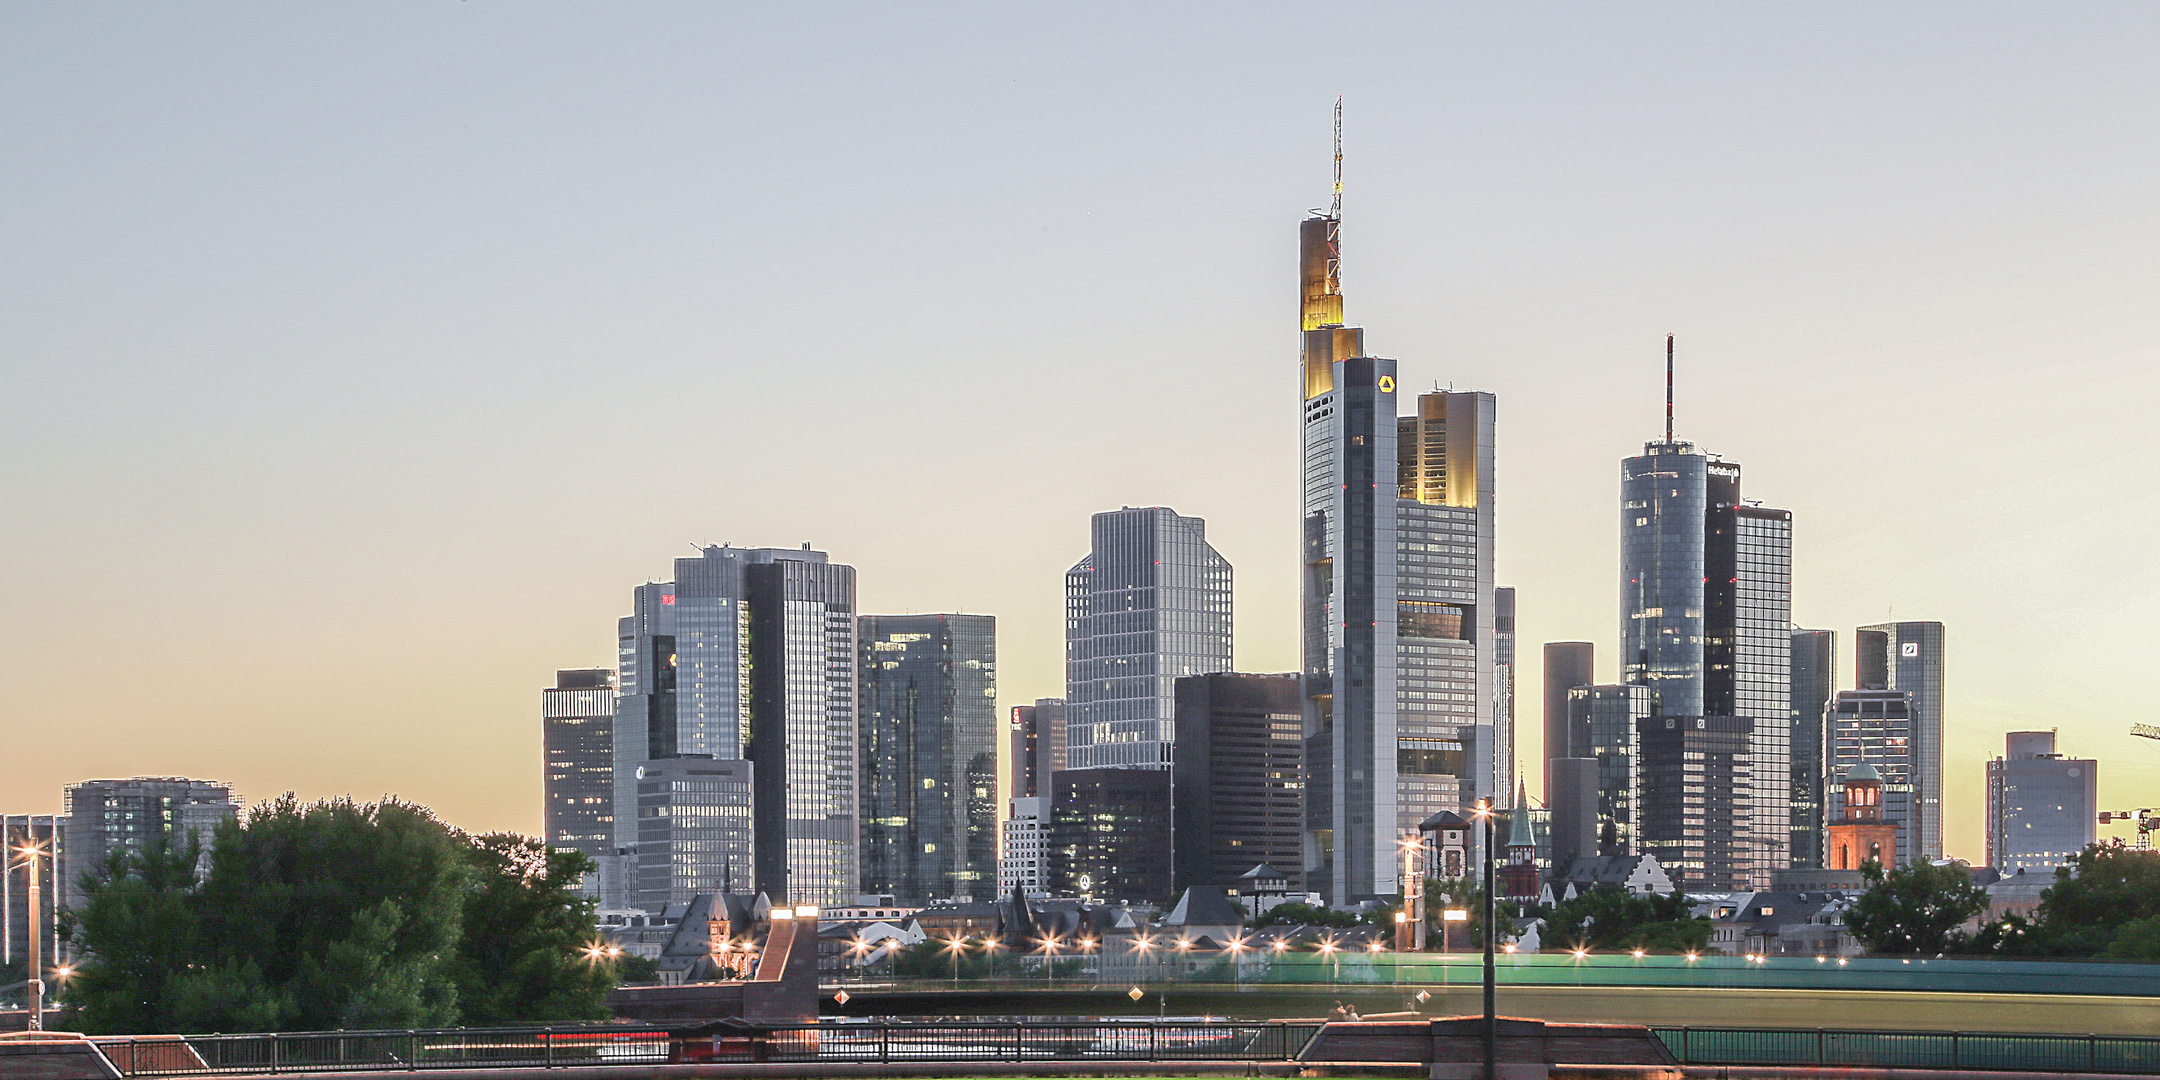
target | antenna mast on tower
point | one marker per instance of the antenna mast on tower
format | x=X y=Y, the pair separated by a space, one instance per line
x=1668 y=388
x=1334 y=228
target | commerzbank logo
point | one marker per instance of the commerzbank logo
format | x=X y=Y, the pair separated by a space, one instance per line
x=1387 y=384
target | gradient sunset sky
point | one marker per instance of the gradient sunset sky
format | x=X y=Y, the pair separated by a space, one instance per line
x=361 y=358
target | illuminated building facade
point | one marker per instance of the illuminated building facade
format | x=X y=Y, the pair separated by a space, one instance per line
x=1037 y=748
x=1861 y=833
x=694 y=822
x=1148 y=605
x=1876 y=728
x=577 y=720
x=1408 y=699
x=1908 y=656
x=927 y=722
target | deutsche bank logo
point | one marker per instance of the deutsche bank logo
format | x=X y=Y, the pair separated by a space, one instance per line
x=1909 y=649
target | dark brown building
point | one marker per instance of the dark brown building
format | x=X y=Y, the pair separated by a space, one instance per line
x=1110 y=834
x=1238 y=791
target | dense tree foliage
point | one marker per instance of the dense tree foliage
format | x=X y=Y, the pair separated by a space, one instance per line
x=2106 y=903
x=1609 y=918
x=1915 y=909
x=1295 y=913
x=942 y=958
x=337 y=915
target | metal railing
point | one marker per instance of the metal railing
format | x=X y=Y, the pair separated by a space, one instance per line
x=2130 y=1054
x=552 y=1047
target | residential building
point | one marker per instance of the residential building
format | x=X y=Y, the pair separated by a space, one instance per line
x=1568 y=664
x=577 y=721
x=1110 y=834
x=1024 y=865
x=750 y=655
x=1814 y=681
x=1148 y=604
x=1876 y=728
x=104 y=817
x=695 y=829
x=1037 y=746
x=927 y=722
x=2042 y=808
x=1908 y=656
x=1237 y=780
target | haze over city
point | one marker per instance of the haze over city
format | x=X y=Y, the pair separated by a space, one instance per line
x=361 y=360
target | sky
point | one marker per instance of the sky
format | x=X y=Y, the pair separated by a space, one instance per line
x=359 y=359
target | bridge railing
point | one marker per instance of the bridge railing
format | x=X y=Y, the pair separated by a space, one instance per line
x=2126 y=1054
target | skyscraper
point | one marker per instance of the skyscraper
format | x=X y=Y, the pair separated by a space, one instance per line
x=695 y=824
x=1503 y=712
x=1605 y=723
x=577 y=718
x=1909 y=656
x=1401 y=640
x=927 y=716
x=1876 y=728
x=104 y=817
x=749 y=655
x=1150 y=603
x=1110 y=834
x=1814 y=680
x=2042 y=807
x=1705 y=617
x=1037 y=746
x=1237 y=785
x=1568 y=664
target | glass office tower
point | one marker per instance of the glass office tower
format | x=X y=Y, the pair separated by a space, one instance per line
x=1747 y=656
x=1664 y=508
x=927 y=717
x=1814 y=680
x=577 y=720
x=1148 y=605
x=1909 y=656
x=1604 y=722
x=2042 y=807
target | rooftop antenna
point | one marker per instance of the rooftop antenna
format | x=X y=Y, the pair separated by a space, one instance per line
x=1668 y=388
x=1334 y=229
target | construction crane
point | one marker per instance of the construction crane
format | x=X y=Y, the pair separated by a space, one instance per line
x=2147 y=819
x=2145 y=731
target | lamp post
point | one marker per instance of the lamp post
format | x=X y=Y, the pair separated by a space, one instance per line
x=1237 y=962
x=1492 y=933
x=34 y=969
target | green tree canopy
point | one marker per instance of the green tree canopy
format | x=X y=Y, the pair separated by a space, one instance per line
x=1609 y=918
x=2105 y=903
x=337 y=915
x=1914 y=909
x=1295 y=913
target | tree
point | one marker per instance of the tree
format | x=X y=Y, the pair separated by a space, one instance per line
x=1294 y=913
x=337 y=915
x=1914 y=909
x=521 y=954
x=937 y=958
x=1608 y=917
x=1462 y=892
x=2105 y=903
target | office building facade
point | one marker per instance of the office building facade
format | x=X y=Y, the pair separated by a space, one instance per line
x=1150 y=603
x=1814 y=681
x=695 y=828
x=105 y=817
x=577 y=719
x=1024 y=864
x=2042 y=808
x=927 y=717
x=1695 y=793
x=1604 y=724
x=1237 y=781
x=1036 y=747
x=1876 y=728
x=750 y=655
x=1908 y=656
x=1110 y=834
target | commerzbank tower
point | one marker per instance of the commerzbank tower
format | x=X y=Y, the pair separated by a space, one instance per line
x=1408 y=647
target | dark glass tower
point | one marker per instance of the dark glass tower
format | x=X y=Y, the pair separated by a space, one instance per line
x=1568 y=664
x=1133 y=805
x=1909 y=656
x=1238 y=795
x=1038 y=746
x=578 y=787
x=1814 y=680
x=927 y=717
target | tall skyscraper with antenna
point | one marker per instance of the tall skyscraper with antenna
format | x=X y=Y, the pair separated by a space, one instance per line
x=1705 y=624
x=1402 y=678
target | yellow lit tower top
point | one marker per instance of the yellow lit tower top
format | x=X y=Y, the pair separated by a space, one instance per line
x=1320 y=286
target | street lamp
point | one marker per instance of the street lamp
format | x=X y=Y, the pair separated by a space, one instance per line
x=34 y=968
x=1327 y=949
x=1237 y=962
x=1484 y=813
x=953 y=946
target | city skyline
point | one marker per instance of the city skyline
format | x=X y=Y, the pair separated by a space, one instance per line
x=394 y=350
